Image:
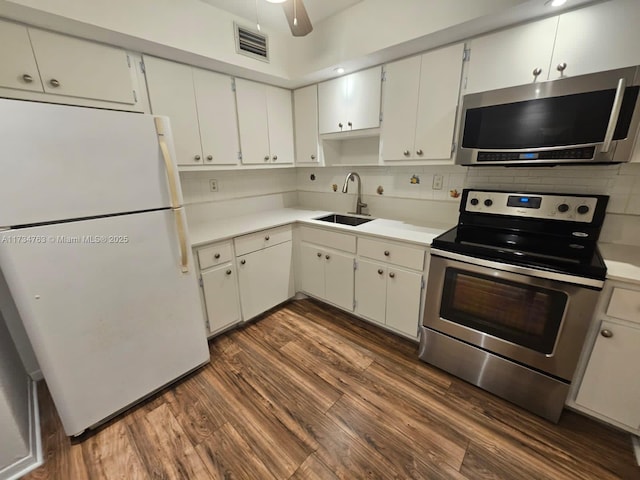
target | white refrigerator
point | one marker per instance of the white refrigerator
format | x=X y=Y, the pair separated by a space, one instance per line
x=94 y=249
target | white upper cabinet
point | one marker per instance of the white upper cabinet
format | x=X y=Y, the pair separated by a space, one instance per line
x=511 y=57
x=171 y=93
x=202 y=108
x=216 y=104
x=351 y=102
x=19 y=69
x=601 y=37
x=77 y=68
x=305 y=112
x=266 y=123
x=420 y=98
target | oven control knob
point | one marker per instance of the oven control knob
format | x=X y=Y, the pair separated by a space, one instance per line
x=582 y=209
x=488 y=202
x=563 y=207
x=474 y=201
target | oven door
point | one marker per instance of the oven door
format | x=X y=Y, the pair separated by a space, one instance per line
x=511 y=311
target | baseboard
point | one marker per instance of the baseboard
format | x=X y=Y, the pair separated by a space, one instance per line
x=34 y=459
x=636 y=447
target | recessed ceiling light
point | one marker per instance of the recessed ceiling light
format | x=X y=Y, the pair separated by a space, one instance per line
x=555 y=3
x=276 y=1
x=339 y=70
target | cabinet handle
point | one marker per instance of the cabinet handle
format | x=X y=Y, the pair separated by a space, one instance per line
x=209 y=157
x=242 y=262
x=380 y=271
x=319 y=254
x=419 y=152
x=197 y=158
x=266 y=158
x=350 y=124
x=387 y=253
x=228 y=272
x=216 y=256
x=606 y=333
x=340 y=125
x=313 y=157
x=275 y=157
x=327 y=257
x=27 y=78
x=266 y=238
x=54 y=83
x=406 y=153
x=392 y=275
x=537 y=71
x=561 y=67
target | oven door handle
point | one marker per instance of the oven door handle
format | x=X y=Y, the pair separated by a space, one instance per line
x=560 y=277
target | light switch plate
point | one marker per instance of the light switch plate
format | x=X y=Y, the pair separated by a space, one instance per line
x=213 y=185
x=437 y=182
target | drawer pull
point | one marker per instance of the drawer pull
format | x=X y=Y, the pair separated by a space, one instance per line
x=380 y=271
x=606 y=333
x=327 y=257
x=228 y=272
x=387 y=253
x=216 y=256
x=242 y=262
x=266 y=238
x=27 y=78
x=319 y=254
x=54 y=83
x=392 y=275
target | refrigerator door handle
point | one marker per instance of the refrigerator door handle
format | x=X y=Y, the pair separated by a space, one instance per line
x=182 y=238
x=171 y=171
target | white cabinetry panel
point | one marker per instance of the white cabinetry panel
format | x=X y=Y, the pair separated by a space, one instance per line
x=280 y=123
x=19 y=69
x=305 y=102
x=221 y=297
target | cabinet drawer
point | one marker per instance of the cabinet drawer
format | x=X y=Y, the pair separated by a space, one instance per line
x=339 y=241
x=214 y=255
x=263 y=239
x=624 y=304
x=402 y=255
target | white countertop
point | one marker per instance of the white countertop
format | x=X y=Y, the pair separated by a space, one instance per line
x=623 y=261
x=204 y=232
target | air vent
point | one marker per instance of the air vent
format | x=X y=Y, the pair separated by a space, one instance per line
x=251 y=43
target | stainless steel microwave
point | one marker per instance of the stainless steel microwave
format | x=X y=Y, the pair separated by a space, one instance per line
x=586 y=119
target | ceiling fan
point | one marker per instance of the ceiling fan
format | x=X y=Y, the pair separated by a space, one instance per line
x=297 y=16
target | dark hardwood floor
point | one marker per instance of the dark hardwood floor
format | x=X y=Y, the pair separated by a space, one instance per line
x=309 y=392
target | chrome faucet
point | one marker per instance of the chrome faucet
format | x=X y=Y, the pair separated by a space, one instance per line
x=345 y=187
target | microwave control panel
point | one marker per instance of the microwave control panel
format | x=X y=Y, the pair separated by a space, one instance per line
x=552 y=207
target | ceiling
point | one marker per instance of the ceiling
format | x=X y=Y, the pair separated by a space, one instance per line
x=272 y=16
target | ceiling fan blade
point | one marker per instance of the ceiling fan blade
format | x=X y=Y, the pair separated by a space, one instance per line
x=303 y=26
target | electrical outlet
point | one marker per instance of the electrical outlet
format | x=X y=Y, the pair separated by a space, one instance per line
x=213 y=185
x=437 y=182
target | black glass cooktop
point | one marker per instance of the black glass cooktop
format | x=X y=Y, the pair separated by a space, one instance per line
x=546 y=252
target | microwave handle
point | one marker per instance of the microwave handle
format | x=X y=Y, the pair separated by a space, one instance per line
x=615 y=113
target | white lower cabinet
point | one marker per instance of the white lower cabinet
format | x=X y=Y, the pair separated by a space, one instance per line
x=389 y=295
x=265 y=276
x=607 y=385
x=219 y=286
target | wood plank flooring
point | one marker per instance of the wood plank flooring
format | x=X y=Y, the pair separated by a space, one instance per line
x=309 y=392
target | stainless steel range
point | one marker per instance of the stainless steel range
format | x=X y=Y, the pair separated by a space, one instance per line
x=512 y=289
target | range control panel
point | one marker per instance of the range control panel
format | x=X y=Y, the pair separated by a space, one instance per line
x=547 y=206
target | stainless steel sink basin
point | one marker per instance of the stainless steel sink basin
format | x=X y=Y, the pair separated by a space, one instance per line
x=344 y=219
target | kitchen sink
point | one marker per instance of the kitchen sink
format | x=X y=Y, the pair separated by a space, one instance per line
x=344 y=219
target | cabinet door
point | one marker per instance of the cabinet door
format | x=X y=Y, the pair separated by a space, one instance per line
x=171 y=93
x=403 y=300
x=438 y=102
x=331 y=105
x=221 y=297
x=371 y=290
x=280 y=124
x=611 y=385
x=312 y=270
x=362 y=98
x=305 y=113
x=509 y=57
x=265 y=278
x=77 y=68
x=597 y=38
x=19 y=69
x=217 y=117
x=252 y=117
x=400 y=108
x=338 y=280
